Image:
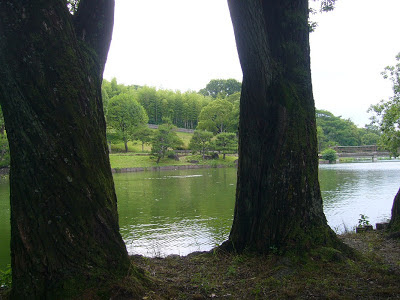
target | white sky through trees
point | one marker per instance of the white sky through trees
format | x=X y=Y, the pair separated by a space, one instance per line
x=183 y=44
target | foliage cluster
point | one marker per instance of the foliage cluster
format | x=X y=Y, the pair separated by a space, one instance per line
x=4 y=149
x=163 y=140
x=216 y=109
x=126 y=116
x=221 y=88
x=129 y=108
x=330 y=155
x=387 y=113
x=183 y=109
x=334 y=130
x=6 y=278
x=363 y=221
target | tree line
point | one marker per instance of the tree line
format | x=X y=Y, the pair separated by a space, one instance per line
x=183 y=109
x=130 y=108
x=215 y=108
x=335 y=131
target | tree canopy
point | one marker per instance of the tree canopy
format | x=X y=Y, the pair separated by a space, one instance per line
x=334 y=130
x=221 y=88
x=125 y=115
x=201 y=141
x=387 y=113
x=217 y=116
x=164 y=138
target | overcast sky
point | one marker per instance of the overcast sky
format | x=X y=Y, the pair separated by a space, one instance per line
x=183 y=44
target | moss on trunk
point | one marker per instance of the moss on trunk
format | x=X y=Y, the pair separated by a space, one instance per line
x=64 y=221
x=278 y=199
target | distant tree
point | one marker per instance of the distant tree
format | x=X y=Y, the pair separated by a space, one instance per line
x=221 y=88
x=201 y=141
x=370 y=138
x=216 y=116
x=2 y=123
x=226 y=142
x=124 y=115
x=148 y=98
x=337 y=130
x=234 y=98
x=321 y=138
x=144 y=134
x=164 y=138
x=4 y=148
x=113 y=88
x=330 y=155
x=387 y=113
x=106 y=99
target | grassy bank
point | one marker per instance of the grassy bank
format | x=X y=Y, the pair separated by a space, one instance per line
x=131 y=160
x=325 y=274
x=136 y=146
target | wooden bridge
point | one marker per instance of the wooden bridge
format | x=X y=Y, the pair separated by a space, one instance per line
x=372 y=151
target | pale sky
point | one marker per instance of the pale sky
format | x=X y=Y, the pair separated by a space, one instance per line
x=183 y=44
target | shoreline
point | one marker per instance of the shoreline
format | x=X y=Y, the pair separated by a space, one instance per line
x=166 y=168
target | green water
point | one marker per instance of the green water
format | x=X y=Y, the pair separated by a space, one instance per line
x=178 y=212
x=175 y=211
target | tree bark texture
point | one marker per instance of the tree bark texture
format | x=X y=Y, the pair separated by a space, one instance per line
x=394 y=224
x=64 y=221
x=278 y=198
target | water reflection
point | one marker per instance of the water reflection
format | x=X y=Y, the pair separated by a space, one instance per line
x=349 y=190
x=175 y=212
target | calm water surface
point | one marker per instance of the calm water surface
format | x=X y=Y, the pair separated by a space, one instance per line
x=178 y=212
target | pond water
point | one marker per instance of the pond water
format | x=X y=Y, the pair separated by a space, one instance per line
x=181 y=211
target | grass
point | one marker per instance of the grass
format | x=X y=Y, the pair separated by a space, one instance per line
x=136 y=146
x=133 y=147
x=320 y=275
x=185 y=137
x=325 y=273
x=130 y=160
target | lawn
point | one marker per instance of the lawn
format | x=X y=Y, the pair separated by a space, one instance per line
x=136 y=146
x=130 y=160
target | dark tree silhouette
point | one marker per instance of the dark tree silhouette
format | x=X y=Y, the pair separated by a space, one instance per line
x=64 y=222
x=278 y=199
x=395 y=220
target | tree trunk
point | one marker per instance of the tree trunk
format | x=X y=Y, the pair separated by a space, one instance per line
x=394 y=224
x=64 y=222
x=126 y=146
x=278 y=199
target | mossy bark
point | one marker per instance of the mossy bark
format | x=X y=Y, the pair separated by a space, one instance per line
x=278 y=198
x=394 y=224
x=64 y=221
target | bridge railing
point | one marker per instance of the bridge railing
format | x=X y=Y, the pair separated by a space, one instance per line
x=356 y=149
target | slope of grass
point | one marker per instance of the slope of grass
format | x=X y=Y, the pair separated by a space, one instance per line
x=129 y=160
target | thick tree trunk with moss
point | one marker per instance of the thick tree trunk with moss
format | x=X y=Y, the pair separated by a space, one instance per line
x=278 y=199
x=64 y=222
x=394 y=224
